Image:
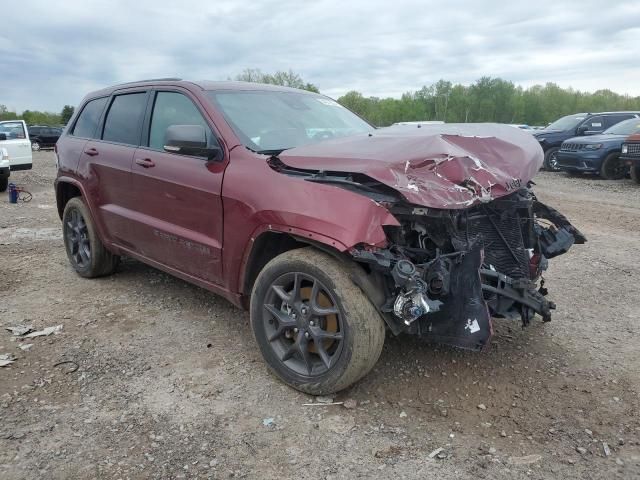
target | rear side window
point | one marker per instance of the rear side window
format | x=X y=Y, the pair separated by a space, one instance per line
x=171 y=108
x=124 y=118
x=613 y=119
x=87 y=122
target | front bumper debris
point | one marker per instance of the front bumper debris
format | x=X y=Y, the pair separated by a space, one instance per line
x=446 y=276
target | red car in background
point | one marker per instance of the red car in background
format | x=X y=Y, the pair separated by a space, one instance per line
x=328 y=230
x=630 y=154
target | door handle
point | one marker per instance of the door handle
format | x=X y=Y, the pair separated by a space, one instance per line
x=92 y=152
x=145 y=162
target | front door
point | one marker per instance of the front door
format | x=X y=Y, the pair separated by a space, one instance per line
x=179 y=206
x=17 y=144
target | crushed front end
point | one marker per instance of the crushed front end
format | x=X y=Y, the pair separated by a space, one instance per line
x=446 y=273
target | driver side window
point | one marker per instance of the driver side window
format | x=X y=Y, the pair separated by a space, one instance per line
x=172 y=108
x=595 y=124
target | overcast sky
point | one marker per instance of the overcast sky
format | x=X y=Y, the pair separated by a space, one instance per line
x=52 y=53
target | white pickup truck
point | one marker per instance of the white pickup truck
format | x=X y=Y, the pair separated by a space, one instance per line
x=15 y=150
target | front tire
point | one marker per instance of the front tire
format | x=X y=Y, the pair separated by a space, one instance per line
x=551 y=160
x=86 y=253
x=4 y=184
x=635 y=173
x=35 y=146
x=317 y=331
x=613 y=168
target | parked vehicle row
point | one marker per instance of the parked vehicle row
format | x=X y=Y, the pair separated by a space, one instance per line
x=588 y=143
x=573 y=126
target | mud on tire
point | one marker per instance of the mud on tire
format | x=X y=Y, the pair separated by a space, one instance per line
x=352 y=340
x=85 y=251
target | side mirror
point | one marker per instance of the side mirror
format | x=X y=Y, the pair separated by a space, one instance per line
x=582 y=129
x=190 y=140
x=3 y=136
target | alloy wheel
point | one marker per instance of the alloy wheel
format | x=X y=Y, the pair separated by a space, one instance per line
x=303 y=324
x=77 y=236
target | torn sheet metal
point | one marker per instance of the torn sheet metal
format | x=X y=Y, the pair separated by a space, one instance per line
x=452 y=166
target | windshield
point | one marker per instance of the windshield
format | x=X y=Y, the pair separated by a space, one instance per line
x=628 y=127
x=271 y=121
x=567 y=123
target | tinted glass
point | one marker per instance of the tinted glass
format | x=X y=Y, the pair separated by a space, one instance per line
x=595 y=124
x=89 y=118
x=124 y=118
x=272 y=121
x=614 y=119
x=172 y=108
x=567 y=123
x=628 y=127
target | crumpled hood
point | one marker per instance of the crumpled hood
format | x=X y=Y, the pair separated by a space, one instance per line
x=449 y=166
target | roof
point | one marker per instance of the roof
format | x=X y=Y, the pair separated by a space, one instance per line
x=203 y=84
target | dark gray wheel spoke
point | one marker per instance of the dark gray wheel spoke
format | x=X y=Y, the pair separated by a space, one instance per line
x=284 y=296
x=304 y=353
x=285 y=322
x=291 y=351
x=323 y=354
x=316 y=309
x=324 y=335
x=295 y=293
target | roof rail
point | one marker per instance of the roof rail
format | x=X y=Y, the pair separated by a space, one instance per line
x=166 y=79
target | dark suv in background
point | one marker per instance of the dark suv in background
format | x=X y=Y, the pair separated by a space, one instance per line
x=576 y=125
x=598 y=154
x=43 y=136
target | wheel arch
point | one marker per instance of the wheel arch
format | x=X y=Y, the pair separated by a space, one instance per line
x=269 y=242
x=66 y=189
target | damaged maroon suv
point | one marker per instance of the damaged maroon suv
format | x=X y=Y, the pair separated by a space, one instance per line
x=328 y=230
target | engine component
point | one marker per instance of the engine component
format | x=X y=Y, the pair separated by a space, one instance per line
x=414 y=303
x=403 y=272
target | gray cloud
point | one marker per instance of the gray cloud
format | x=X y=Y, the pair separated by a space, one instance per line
x=379 y=48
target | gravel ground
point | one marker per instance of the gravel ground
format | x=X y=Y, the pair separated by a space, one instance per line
x=170 y=384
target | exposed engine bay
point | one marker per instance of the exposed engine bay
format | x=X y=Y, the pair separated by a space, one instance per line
x=446 y=273
x=469 y=241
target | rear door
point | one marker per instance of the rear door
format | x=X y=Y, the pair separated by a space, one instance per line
x=17 y=144
x=106 y=163
x=179 y=222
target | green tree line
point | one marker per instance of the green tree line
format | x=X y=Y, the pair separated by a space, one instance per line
x=34 y=117
x=486 y=100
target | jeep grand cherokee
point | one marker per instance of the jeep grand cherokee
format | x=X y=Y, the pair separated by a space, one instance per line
x=328 y=230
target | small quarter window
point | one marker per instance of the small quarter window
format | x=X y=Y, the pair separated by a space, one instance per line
x=124 y=118
x=87 y=122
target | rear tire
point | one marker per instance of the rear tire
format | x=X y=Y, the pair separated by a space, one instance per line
x=550 y=160
x=635 y=173
x=613 y=168
x=35 y=146
x=4 y=184
x=341 y=347
x=85 y=251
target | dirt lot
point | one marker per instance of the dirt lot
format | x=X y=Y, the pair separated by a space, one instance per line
x=170 y=383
